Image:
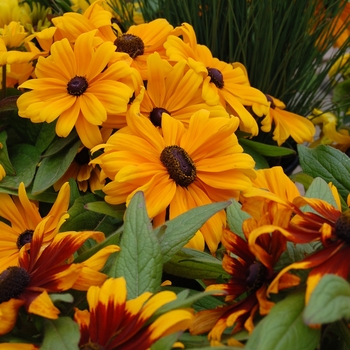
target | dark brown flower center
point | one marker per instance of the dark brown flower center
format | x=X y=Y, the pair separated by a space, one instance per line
x=13 y=282
x=77 y=86
x=179 y=164
x=24 y=238
x=270 y=99
x=91 y=346
x=342 y=227
x=216 y=77
x=256 y=276
x=83 y=157
x=156 y=116
x=131 y=44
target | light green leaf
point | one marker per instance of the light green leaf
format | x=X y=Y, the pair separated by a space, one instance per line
x=53 y=167
x=65 y=297
x=235 y=218
x=62 y=334
x=24 y=159
x=166 y=343
x=140 y=257
x=328 y=163
x=329 y=302
x=266 y=150
x=175 y=233
x=190 y=263
x=116 y=211
x=320 y=189
x=283 y=328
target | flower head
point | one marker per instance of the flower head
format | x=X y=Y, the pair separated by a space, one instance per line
x=114 y=322
x=78 y=87
x=179 y=169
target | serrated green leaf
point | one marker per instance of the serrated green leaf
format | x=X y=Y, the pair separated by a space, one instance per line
x=328 y=163
x=62 y=334
x=235 y=218
x=4 y=157
x=266 y=150
x=175 y=233
x=140 y=257
x=190 y=263
x=283 y=328
x=329 y=301
x=116 y=211
x=52 y=168
x=24 y=159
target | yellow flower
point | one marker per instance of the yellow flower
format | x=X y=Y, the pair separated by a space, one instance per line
x=222 y=81
x=11 y=10
x=41 y=271
x=78 y=87
x=114 y=322
x=178 y=168
x=142 y=40
x=330 y=135
x=339 y=64
x=286 y=124
x=23 y=217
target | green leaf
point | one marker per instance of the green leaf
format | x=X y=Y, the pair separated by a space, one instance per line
x=62 y=334
x=190 y=263
x=283 y=328
x=328 y=163
x=235 y=218
x=329 y=302
x=46 y=136
x=140 y=257
x=260 y=161
x=65 y=297
x=303 y=179
x=341 y=93
x=266 y=150
x=175 y=233
x=319 y=189
x=24 y=159
x=53 y=167
x=116 y=211
x=4 y=157
x=61 y=143
x=165 y=343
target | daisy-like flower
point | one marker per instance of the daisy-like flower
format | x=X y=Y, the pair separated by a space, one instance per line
x=222 y=81
x=23 y=217
x=330 y=134
x=175 y=91
x=178 y=170
x=41 y=271
x=285 y=124
x=251 y=274
x=78 y=87
x=326 y=224
x=11 y=10
x=142 y=40
x=116 y=323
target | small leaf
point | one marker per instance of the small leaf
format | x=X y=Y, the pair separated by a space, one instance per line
x=116 y=211
x=65 y=297
x=140 y=257
x=260 y=161
x=52 y=168
x=4 y=157
x=166 y=343
x=24 y=159
x=329 y=302
x=235 y=218
x=320 y=189
x=190 y=263
x=328 y=163
x=62 y=334
x=283 y=328
x=266 y=150
x=175 y=233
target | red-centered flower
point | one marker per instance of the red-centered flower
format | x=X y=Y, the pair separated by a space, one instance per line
x=22 y=217
x=116 y=323
x=41 y=271
x=326 y=224
x=251 y=274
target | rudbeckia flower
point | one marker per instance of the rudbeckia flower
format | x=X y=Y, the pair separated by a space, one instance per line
x=78 y=87
x=250 y=273
x=285 y=124
x=23 y=217
x=114 y=322
x=222 y=81
x=178 y=170
x=142 y=40
x=326 y=224
x=41 y=271
x=175 y=91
